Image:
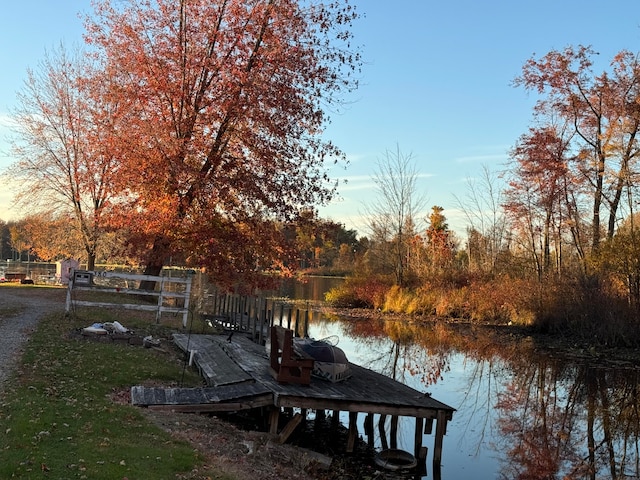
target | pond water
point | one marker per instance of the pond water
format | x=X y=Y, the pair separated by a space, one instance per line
x=523 y=410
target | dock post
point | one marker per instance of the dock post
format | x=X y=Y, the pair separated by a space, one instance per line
x=381 y=430
x=441 y=429
x=428 y=426
x=368 y=429
x=281 y=313
x=214 y=308
x=295 y=326
x=274 y=418
x=393 y=433
x=244 y=313
x=263 y=321
x=289 y=318
x=353 y=431
x=306 y=324
x=418 y=437
x=335 y=419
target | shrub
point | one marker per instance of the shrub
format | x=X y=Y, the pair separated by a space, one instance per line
x=359 y=292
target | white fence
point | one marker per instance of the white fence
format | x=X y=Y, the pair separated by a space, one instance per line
x=98 y=281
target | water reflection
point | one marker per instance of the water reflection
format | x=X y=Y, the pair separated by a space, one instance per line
x=524 y=412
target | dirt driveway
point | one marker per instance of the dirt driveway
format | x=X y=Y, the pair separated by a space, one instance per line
x=20 y=309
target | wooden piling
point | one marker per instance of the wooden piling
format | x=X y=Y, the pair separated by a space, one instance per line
x=381 y=430
x=368 y=429
x=418 y=437
x=441 y=429
x=353 y=431
x=393 y=433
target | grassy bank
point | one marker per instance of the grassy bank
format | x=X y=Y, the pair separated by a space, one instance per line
x=59 y=413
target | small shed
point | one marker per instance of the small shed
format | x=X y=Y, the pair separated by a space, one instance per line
x=64 y=268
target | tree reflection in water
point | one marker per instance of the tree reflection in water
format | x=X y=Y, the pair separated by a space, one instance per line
x=545 y=414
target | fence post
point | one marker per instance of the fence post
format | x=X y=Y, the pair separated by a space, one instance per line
x=187 y=298
x=160 y=300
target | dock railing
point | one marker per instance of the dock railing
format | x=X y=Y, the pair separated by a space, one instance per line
x=255 y=314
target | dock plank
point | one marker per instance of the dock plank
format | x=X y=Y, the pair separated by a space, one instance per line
x=215 y=365
x=214 y=399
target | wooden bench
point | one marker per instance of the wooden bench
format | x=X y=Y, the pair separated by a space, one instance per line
x=288 y=366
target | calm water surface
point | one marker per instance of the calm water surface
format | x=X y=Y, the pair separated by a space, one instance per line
x=523 y=411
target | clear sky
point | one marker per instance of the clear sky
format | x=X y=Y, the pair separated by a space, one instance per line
x=436 y=83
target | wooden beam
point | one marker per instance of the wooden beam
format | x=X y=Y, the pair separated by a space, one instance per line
x=213 y=407
x=289 y=428
x=418 y=437
x=422 y=462
x=383 y=433
x=287 y=400
x=441 y=428
x=428 y=426
x=368 y=429
x=393 y=434
x=274 y=418
x=353 y=431
x=335 y=419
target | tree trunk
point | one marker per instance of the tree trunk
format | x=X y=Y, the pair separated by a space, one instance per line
x=91 y=261
x=155 y=261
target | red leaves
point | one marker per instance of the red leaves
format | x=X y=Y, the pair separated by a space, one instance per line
x=220 y=104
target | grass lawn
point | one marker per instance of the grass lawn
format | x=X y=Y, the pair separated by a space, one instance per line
x=58 y=417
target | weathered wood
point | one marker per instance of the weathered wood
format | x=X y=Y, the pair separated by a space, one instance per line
x=213 y=362
x=428 y=426
x=353 y=431
x=286 y=365
x=418 y=437
x=289 y=428
x=368 y=429
x=259 y=402
x=393 y=433
x=382 y=431
x=207 y=399
x=335 y=419
x=159 y=308
x=366 y=392
x=274 y=419
x=422 y=461
x=441 y=428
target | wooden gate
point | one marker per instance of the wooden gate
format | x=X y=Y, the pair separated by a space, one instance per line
x=99 y=281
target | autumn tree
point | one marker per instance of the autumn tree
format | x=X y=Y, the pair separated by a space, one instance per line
x=19 y=239
x=393 y=214
x=441 y=245
x=225 y=102
x=53 y=237
x=62 y=165
x=539 y=196
x=603 y=110
x=321 y=242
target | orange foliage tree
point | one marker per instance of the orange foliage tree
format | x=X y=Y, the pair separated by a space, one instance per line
x=603 y=111
x=224 y=104
x=540 y=198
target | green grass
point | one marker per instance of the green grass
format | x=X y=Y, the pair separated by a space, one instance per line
x=57 y=415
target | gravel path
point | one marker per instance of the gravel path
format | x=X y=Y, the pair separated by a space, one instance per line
x=30 y=303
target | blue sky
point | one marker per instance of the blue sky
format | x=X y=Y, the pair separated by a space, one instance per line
x=436 y=83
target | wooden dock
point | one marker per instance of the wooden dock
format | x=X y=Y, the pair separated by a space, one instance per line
x=236 y=371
